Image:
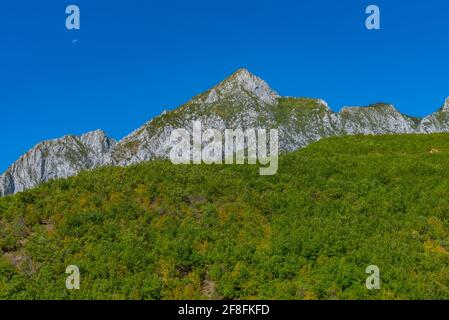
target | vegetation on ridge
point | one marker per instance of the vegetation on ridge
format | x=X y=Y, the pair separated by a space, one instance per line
x=160 y=231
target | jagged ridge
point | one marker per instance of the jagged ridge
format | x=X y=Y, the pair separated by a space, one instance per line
x=240 y=101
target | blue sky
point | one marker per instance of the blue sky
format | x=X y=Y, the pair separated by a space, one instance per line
x=134 y=59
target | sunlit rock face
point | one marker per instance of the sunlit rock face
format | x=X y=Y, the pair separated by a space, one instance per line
x=59 y=158
x=241 y=101
x=437 y=121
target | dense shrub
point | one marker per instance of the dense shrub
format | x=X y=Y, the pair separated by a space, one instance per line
x=160 y=231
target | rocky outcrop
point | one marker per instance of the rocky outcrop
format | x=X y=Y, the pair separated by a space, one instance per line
x=58 y=158
x=436 y=122
x=240 y=101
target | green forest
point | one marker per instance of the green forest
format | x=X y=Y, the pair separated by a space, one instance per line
x=161 y=231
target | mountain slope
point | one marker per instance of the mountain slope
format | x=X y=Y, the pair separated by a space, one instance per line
x=246 y=101
x=159 y=231
x=436 y=122
x=376 y=119
x=240 y=101
x=57 y=158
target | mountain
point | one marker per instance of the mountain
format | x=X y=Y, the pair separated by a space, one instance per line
x=58 y=158
x=376 y=119
x=240 y=101
x=436 y=122
x=159 y=231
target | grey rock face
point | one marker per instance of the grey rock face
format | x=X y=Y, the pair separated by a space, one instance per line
x=437 y=121
x=377 y=119
x=58 y=158
x=239 y=102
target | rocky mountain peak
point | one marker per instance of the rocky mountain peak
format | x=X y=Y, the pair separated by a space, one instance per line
x=97 y=140
x=58 y=158
x=240 y=83
x=446 y=105
x=96 y=134
x=240 y=101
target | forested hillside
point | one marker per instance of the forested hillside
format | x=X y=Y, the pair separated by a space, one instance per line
x=160 y=231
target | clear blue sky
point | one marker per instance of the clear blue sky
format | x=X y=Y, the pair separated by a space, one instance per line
x=134 y=59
